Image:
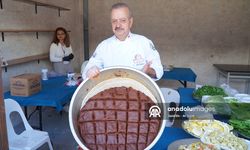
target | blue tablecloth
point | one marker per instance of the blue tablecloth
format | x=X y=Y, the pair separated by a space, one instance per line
x=186 y=98
x=54 y=93
x=183 y=74
x=169 y=135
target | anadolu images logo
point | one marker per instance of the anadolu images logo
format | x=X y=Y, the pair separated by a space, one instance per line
x=154 y=111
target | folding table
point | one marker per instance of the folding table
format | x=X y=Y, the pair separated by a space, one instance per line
x=181 y=74
x=54 y=93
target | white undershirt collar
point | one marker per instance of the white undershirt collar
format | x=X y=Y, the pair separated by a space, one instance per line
x=128 y=37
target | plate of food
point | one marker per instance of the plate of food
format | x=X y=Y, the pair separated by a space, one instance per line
x=225 y=140
x=197 y=128
x=190 y=144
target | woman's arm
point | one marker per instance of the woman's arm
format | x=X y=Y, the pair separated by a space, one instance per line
x=54 y=54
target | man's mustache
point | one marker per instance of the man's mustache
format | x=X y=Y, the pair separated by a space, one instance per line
x=118 y=28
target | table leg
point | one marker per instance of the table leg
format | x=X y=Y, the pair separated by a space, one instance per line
x=40 y=118
x=26 y=112
x=184 y=83
x=39 y=108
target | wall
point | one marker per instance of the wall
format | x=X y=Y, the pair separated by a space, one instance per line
x=19 y=15
x=187 y=33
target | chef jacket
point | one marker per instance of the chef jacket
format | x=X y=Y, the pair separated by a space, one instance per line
x=135 y=51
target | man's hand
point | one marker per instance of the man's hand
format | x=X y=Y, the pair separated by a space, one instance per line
x=148 y=70
x=93 y=72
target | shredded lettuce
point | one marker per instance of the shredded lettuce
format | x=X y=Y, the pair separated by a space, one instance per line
x=208 y=90
x=242 y=126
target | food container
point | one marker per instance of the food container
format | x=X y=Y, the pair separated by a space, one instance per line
x=114 y=77
x=204 y=98
x=246 y=99
x=241 y=96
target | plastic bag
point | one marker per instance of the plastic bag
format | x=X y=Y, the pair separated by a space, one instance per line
x=229 y=90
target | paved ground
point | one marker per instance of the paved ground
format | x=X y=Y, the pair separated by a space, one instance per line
x=57 y=125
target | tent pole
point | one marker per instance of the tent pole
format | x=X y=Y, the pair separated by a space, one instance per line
x=3 y=129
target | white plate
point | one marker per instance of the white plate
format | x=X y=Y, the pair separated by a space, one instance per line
x=240 y=97
x=174 y=145
x=242 y=135
x=229 y=137
x=248 y=144
x=200 y=131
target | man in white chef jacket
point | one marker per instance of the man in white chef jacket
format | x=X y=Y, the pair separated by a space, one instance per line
x=124 y=48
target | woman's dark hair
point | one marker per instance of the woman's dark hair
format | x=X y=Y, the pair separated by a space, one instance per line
x=66 y=40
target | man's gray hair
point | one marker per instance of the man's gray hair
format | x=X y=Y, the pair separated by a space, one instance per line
x=121 y=5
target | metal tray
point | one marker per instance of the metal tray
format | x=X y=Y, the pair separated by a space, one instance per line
x=114 y=77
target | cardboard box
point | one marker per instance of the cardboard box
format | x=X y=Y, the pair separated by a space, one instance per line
x=25 y=84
